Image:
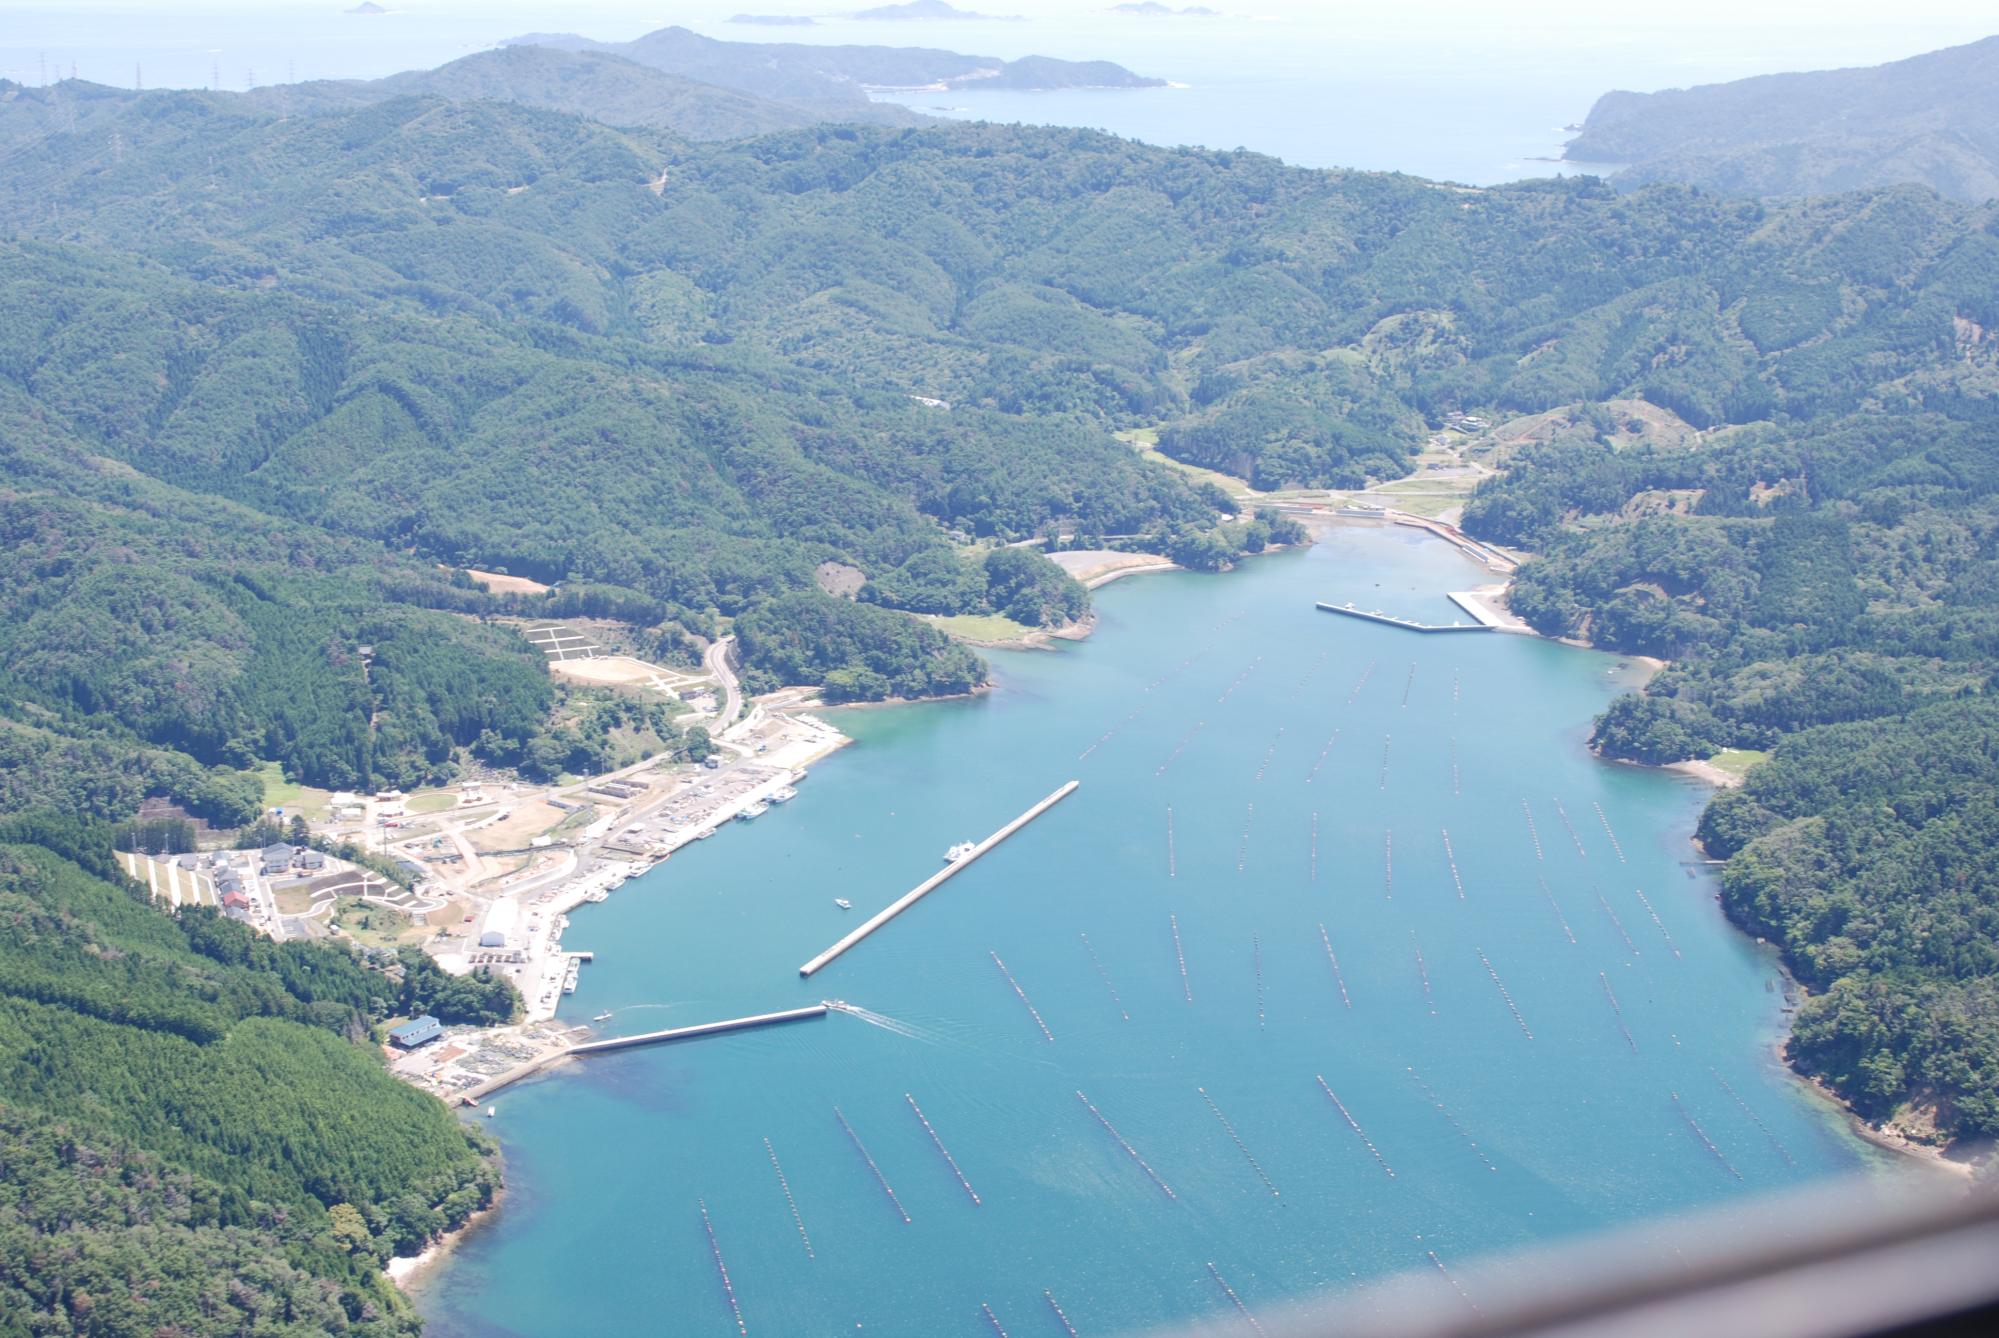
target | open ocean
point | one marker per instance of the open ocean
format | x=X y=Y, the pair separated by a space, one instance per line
x=1312 y=765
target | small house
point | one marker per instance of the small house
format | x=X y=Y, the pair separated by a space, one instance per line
x=311 y=859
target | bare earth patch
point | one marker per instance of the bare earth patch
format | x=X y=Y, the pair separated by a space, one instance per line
x=526 y=821
x=619 y=671
x=1095 y=566
x=501 y=584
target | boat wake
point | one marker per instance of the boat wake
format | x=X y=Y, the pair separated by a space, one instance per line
x=874 y=1019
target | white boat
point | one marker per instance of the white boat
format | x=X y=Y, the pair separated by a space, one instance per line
x=752 y=813
x=783 y=795
x=843 y=903
x=491 y=1111
x=959 y=851
x=602 y=1017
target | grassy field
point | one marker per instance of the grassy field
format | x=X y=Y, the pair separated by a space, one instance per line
x=291 y=797
x=1145 y=440
x=577 y=820
x=431 y=801
x=1736 y=761
x=375 y=926
x=983 y=628
x=294 y=901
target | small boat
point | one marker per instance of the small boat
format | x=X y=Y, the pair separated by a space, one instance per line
x=959 y=851
x=843 y=903
x=753 y=812
x=783 y=795
x=491 y=1111
x=602 y=1017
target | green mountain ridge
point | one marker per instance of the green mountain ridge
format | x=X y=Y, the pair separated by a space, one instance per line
x=268 y=373
x=1930 y=120
x=593 y=84
x=830 y=76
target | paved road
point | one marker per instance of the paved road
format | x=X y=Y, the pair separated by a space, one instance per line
x=717 y=660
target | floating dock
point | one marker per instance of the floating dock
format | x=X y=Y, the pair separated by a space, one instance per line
x=934 y=881
x=1377 y=616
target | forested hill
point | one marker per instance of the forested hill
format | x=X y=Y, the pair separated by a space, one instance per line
x=594 y=84
x=1931 y=120
x=838 y=76
x=191 y=1140
x=269 y=375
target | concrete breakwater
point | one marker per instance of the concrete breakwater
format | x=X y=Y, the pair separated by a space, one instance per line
x=472 y=1096
x=935 y=880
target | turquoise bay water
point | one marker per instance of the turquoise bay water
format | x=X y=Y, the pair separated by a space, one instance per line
x=1216 y=696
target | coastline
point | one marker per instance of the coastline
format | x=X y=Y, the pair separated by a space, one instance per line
x=1705 y=771
x=404 y=1270
x=1928 y=1157
x=1884 y=1137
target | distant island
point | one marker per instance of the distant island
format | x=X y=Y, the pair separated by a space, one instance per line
x=919 y=10
x=366 y=7
x=833 y=81
x=1152 y=9
x=1931 y=120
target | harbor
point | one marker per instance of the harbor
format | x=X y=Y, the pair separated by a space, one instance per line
x=1020 y=1073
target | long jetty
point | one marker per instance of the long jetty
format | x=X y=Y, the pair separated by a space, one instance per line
x=699 y=1029
x=474 y=1095
x=934 y=881
x=1409 y=624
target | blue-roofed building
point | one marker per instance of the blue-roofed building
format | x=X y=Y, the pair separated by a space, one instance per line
x=415 y=1032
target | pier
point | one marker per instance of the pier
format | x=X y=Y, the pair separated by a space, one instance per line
x=934 y=881
x=1377 y=616
x=699 y=1029
x=472 y=1096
